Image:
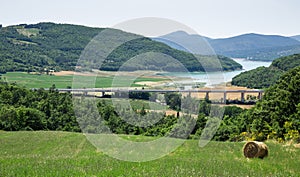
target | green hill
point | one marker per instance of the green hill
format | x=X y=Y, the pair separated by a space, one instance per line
x=264 y=77
x=70 y=154
x=59 y=46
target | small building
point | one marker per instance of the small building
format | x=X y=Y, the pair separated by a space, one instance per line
x=49 y=71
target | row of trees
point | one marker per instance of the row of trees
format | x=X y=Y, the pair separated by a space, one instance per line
x=276 y=116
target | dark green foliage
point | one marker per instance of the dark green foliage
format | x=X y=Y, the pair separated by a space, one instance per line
x=287 y=63
x=23 y=109
x=139 y=95
x=232 y=111
x=227 y=63
x=263 y=77
x=189 y=105
x=59 y=46
x=183 y=127
x=205 y=107
x=44 y=45
x=120 y=122
x=173 y=100
x=258 y=78
x=230 y=125
x=143 y=111
x=277 y=115
x=150 y=60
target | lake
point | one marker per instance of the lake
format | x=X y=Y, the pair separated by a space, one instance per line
x=214 y=78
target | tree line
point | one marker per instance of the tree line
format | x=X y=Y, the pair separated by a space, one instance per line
x=276 y=116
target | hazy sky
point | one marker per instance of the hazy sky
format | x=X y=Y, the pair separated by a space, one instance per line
x=212 y=18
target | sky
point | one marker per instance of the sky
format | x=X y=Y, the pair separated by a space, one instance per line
x=211 y=18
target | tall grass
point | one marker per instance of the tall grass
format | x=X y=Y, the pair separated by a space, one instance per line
x=70 y=154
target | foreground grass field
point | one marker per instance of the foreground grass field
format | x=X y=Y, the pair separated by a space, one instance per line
x=70 y=154
x=46 y=81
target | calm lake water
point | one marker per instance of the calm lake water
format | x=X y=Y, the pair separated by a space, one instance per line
x=214 y=78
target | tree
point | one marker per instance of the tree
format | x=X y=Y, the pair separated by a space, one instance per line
x=31 y=119
x=173 y=100
x=8 y=119
x=143 y=111
x=205 y=107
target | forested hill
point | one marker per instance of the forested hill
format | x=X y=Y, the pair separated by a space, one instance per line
x=264 y=77
x=59 y=46
x=33 y=47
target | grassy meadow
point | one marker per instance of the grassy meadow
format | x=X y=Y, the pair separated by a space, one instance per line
x=46 y=81
x=44 y=153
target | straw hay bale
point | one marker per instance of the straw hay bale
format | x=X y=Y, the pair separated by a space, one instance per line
x=254 y=149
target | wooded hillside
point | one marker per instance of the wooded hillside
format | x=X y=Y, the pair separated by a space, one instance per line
x=59 y=46
x=264 y=77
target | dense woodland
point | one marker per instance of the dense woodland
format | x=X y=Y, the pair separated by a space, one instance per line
x=59 y=46
x=264 y=77
x=276 y=116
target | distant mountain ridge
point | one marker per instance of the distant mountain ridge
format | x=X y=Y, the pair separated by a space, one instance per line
x=181 y=40
x=296 y=37
x=251 y=42
x=251 y=46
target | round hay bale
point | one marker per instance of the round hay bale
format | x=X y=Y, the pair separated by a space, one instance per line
x=254 y=149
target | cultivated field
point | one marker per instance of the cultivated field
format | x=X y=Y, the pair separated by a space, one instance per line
x=70 y=154
x=65 y=80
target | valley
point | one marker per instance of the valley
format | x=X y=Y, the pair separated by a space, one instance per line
x=48 y=128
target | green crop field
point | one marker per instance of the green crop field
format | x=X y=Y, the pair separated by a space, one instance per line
x=46 y=81
x=70 y=154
